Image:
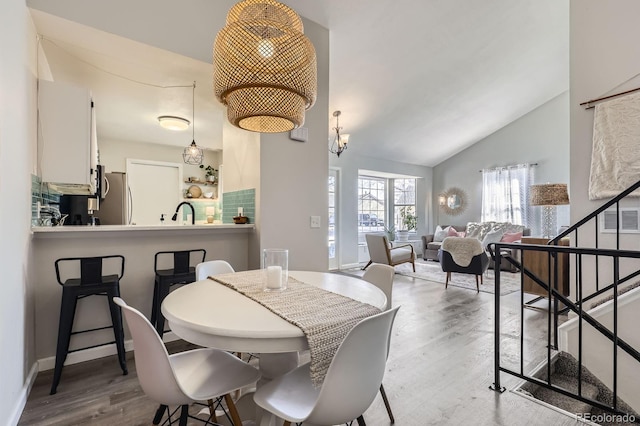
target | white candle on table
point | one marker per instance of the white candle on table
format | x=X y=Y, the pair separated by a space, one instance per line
x=274 y=276
x=240 y=211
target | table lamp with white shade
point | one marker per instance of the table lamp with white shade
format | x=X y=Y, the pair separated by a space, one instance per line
x=549 y=195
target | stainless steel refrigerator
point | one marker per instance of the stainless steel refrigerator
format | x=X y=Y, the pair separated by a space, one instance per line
x=115 y=207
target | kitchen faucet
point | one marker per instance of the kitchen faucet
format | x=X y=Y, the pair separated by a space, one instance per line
x=193 y=212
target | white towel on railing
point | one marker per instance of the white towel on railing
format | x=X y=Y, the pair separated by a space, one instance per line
x=615 y=159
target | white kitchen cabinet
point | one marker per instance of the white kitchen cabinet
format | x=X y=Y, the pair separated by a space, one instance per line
x=67 y=146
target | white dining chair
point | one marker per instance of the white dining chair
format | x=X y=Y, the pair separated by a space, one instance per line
x=212 y=267
x=382 y=277
x=186 y=377
x=350 y=385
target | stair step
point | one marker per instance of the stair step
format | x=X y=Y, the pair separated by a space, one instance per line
x=564 y=402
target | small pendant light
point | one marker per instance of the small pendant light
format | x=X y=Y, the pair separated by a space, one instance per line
x=193 y=154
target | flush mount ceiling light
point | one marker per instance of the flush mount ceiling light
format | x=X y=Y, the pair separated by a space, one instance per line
x=173 y=123
x=339 y=143
x=264 y=67
x=193 y=154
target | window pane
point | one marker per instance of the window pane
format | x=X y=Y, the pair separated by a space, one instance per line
x=404 y=197
x=371 y=204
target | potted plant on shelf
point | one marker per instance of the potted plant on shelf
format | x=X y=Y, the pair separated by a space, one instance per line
x=409 y=222
x=210 y=173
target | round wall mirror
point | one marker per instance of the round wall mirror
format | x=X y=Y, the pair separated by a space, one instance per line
x=453 y=201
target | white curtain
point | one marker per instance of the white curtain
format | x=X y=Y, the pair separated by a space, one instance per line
x=505 y=194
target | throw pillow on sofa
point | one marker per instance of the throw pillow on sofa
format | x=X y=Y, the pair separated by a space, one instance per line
x=453 y=233
x=492 y=237
x=511 y=237
x=440 y=234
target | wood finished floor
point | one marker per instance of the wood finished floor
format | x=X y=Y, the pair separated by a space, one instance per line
x=438 y=372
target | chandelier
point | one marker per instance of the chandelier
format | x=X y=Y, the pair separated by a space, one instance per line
x=192 y=154
x=339 y=142
x=264 y=67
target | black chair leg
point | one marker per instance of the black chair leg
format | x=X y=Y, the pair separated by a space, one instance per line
x=159 y=414
x=118 y=329
x=184 y=415
x=67 y=314
x=154 y=304
x=163 y=291
x=386 y=403
x=361 y=421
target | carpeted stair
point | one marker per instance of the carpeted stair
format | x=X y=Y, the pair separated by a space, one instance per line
x=564 y=374
x=564 y=402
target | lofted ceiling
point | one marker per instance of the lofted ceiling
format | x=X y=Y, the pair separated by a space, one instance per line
x=416 y=81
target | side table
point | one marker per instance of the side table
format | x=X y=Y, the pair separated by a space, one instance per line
x=538 y=263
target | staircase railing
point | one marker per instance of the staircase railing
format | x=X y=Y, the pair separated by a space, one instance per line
x=548 y=282
x=573 y=232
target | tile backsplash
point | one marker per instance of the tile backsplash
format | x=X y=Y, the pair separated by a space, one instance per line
x=200 y=208
x=40 y=193
x=245 y=198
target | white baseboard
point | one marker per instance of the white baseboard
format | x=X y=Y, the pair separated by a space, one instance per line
x=350 y=266
x=14 y=418
x=49 y=363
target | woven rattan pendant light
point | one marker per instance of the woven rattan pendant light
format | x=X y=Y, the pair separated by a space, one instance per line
x=264 y=67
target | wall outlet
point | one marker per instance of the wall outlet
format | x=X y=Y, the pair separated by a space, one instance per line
x=315 y=221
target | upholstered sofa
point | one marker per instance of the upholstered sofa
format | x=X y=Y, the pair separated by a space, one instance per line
x=486 y=232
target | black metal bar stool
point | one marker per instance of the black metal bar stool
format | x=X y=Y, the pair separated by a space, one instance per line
x=182 y=272
x=90 y=283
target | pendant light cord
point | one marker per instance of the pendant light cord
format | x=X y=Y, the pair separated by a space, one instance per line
x=193 y=112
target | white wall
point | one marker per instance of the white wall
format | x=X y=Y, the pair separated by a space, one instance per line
x=241 y=170
x=598 y=350
x=17 y=145
x=603 y=57
x=541 y=136
x=114 y=154
x=294 y=177
x=349 y=166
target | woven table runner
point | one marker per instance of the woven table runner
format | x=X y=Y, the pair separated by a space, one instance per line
x=323 y=316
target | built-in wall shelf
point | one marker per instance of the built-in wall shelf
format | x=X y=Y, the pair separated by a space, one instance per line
x=201 y=182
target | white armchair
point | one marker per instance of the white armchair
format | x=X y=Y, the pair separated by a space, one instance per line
x=381 y=252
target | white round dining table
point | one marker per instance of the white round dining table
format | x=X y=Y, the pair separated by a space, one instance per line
x=213 y=315
x=210 y=314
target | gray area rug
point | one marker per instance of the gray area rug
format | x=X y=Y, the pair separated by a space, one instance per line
x=431 y=271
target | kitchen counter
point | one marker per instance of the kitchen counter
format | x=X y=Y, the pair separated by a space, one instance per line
x=138 y=245
x=91 y=231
